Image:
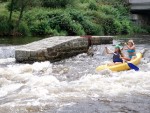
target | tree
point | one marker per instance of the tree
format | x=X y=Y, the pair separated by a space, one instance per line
x=11 y=10
x=20 y=5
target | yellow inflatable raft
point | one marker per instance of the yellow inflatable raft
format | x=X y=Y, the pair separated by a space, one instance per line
x=121 y=67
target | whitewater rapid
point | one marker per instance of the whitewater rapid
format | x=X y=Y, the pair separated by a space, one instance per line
x=73 y=85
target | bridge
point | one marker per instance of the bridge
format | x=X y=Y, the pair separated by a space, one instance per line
x=140 y=10
x=140 y=5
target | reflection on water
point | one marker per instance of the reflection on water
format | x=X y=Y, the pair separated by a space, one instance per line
x=72 y=86
x=17 y=40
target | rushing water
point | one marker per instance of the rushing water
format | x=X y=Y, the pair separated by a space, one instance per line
x=72 y=85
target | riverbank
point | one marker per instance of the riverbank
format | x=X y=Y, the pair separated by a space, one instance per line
x=81 y=17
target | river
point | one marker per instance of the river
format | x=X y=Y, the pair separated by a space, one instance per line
x=73 y=85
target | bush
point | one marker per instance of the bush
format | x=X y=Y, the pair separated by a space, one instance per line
x=49 y=21
x=109 y=10
x=4 y=25
x=40 y=27
x=117 y=27
x=15 y=6
x=38 y=22
x=139 y=29
x=3 y=0
x=111 y=20
x=57 y=3
x=89 y=26
x=70 y=17
x=71 y=26
x=126 y=27
x=147 y=29
x=93 y=5
x=23 y=29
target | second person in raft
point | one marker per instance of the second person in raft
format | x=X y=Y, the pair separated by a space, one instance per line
x=117 y=55
x=130 y=47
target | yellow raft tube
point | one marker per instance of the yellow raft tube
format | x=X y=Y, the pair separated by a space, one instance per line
x=121 y=67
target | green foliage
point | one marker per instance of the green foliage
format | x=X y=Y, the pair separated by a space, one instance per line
x=139 y=29
x=109 y=10
x=23 y=29
x=116 y=26
x=89 y=26
x=108 y=26
x=14 y=6
x=3 y=0
x=148 y=29
x=72 y=27
x=92 y=28
x=126 y=27
x=4 y=26
x=112 y=21
x=41 y=23
x=57 y=3
x=40 y=27
x=85 y=1
x=93 y=5
x=68 y=17
x=17 y=4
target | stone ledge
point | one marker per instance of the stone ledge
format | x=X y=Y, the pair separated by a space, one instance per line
x=57 y=48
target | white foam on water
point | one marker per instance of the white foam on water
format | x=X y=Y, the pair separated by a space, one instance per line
x=26 y=68
x=7 y=60
x=7 y=52
x=11 y=87
x=48 y=87
x=43 y=66
x=43 y=81
x=32 y=87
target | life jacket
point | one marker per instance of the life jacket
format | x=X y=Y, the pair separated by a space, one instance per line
x=116 y=57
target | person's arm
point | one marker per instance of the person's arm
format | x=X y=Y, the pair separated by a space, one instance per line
x=122 y=55
x=133 y=47
x=108 y=51
x=124 y=58
x=124 y=48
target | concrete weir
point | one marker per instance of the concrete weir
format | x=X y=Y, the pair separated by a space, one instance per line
x=57 y=48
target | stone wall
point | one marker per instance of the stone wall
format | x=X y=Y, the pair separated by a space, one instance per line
x=57 y=48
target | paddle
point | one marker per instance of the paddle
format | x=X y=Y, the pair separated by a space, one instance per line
x=132 y=66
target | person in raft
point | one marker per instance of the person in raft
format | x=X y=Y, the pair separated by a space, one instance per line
x=130 y=47
x=117 y=55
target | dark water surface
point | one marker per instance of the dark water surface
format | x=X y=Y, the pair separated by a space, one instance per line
x=17 y=40
x=73 y=86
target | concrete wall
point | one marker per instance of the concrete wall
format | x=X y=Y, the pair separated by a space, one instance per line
x=140 y=10
x=141 y=19
x=57 y=48
x=139 y=1
x=139 y=4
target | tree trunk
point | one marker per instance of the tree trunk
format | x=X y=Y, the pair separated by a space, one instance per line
x=21 y=13
x=10 y=17
x=11 y=10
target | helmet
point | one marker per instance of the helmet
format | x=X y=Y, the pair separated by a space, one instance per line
x=117 y=46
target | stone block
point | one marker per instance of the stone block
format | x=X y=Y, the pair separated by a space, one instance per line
x=56 y=48
x=24 y=55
